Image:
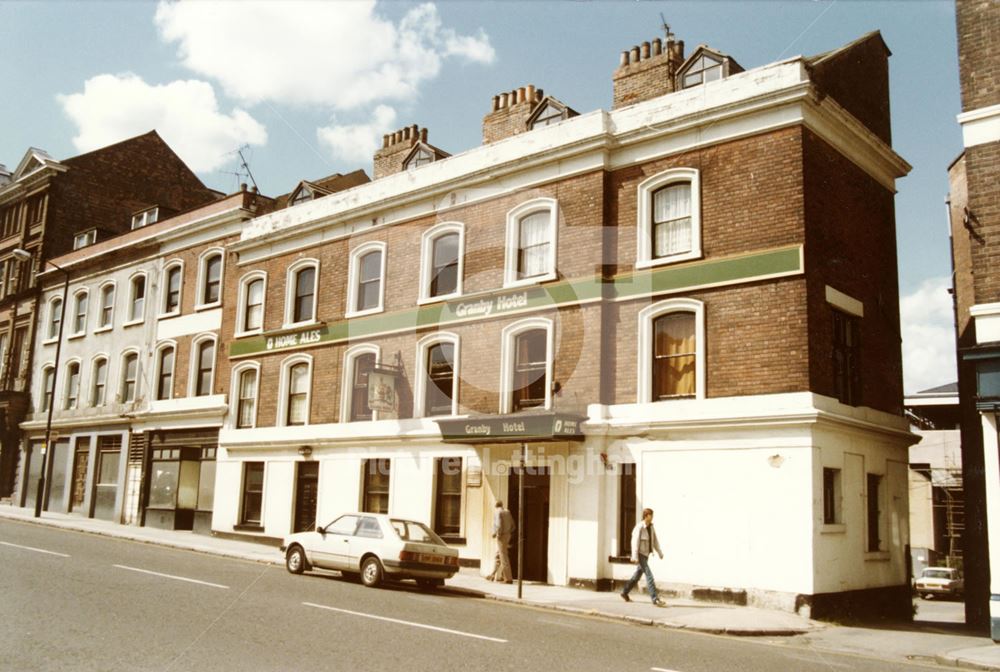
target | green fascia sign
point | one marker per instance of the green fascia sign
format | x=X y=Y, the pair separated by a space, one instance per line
x=513 y=428
x=689 y=276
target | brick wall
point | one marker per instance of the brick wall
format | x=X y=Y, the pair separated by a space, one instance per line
x=983 y=184
x=979 y=52
x=510 y=113
x=851 y=246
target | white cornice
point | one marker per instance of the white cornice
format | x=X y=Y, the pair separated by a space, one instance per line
x=980 y=126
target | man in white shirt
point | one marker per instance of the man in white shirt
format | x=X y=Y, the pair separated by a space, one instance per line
x=644 y=542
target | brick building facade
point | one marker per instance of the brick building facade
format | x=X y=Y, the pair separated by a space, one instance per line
x=49 y=207
x=974 y=210
x=689 y=303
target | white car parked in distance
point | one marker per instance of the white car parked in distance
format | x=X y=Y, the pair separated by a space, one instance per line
x=374 y=547
x=940 y=581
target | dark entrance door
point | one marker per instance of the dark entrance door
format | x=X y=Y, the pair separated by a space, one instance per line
x=306 y=488
x=80 y=461
x=536 y=521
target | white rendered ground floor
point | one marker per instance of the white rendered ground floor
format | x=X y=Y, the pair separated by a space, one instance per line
x=790 y=501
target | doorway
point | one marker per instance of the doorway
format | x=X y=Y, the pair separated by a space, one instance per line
x=80 y=461
x=536 y=521
x=306 y=490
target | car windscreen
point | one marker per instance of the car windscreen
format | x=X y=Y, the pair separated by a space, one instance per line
x=937 y=574
x=409 y=530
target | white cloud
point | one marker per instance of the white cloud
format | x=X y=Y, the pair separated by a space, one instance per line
x=185 y=113
x=358 y=142
x=928 y=336
x=341 y=54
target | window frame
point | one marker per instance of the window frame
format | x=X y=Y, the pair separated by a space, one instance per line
x=354 y=279
x=203 y=259
x=846 y=375
x=644 y=222
x=68 y=384
x=90 y=236
x=84 y=293
x=236 y=375
x=158 y=372
x=48 y=380
x=439 y=462
x=53 y=319
x=833 y=499
x=878 y=502
x=627 y=522
x=92 y=397
x=131 y=321
x=102 y=290
x=347 y=382
x=645 y=359
x=513 y=241
x=291 y=284
x=241 y=305
x=422 y=382
x=284 y=388
x=366 y=473
x=165 y=283
x=508 y=337
x=244 y=522
x=427 y=240
x=123 y=372
x=194 y=356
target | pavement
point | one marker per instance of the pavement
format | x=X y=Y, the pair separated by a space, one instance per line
x=917 y=642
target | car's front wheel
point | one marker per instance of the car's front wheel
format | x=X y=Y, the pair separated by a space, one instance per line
x=371 y=572
x=295 y=560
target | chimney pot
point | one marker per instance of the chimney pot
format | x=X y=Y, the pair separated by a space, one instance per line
x=414 y=132
x=657 y=47
x=645 y=50
x=423 y=135
x=634 y=55
x=624 y=60
x=521 y=95
x=496 y=103
x=243 y=186
x=541 y=94
x=530 y=93
x=253 y=189
x=503 y=100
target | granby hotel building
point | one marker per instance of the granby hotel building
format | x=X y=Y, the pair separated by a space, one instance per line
x=688 y=303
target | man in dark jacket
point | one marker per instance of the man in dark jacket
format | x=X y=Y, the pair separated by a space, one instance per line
x=503 y=528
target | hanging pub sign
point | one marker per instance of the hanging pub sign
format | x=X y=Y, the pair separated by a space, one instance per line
x=382 y=397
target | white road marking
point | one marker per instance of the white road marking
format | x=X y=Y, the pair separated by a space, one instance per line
x=171 y=576
x=32 y=548
x=661 y=669
x=410 y=623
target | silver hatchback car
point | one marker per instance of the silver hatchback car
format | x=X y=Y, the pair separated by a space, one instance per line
x=373 y=547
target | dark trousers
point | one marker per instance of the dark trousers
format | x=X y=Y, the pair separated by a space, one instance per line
x=643 y=568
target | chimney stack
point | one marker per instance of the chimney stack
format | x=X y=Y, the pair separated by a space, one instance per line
x=396 y=146
x=510 y=111
x=647 y=71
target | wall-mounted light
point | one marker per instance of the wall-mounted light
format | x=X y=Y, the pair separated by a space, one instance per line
x=306 y=451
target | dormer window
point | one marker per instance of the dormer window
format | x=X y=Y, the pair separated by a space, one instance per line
x=145 y=218
x=549 y=114
x=85 y=239
x=706 y=65
x=304 y=194
x=421 y=157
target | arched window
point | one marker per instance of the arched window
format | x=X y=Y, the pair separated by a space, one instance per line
x=251 y=307
x=671 y=351
x=173 y=275
x=80 y=300
x=531 y=242
x=300 y=297
x=99 y=381
x=137 y=298
x=669 y=224
x=245 y=383
x=295 y=388
x=165 y=372
x=107 y=316
x=526 y=365
x=202 y=365
x=129 y=389
x=442 y=261
x=359 y=360
x=55 y=318
x=366 y=281
x=48 y=386
x=210 y=279
x=72 y=385
x=437 y=375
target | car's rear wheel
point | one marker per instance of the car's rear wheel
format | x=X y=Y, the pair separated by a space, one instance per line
x=295 y=560
x=371 y=572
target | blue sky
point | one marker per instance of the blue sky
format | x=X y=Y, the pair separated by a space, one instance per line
x=310 y=86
